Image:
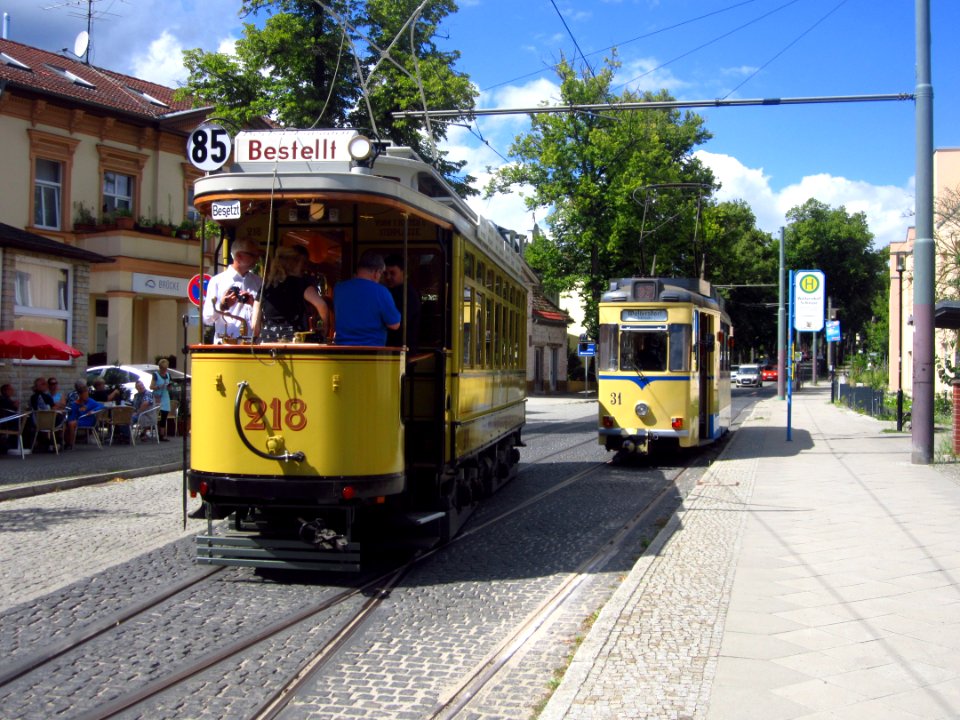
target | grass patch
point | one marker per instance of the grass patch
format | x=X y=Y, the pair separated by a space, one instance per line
x=557 y=676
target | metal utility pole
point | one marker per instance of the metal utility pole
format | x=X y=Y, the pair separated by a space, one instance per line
x=901 y=262
x=781 y=328
x=923 y=250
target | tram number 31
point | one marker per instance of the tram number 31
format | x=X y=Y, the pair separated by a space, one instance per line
x=291 y=414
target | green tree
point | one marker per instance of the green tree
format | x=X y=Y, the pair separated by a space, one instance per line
x=593 y=173
x=841 y=245
x=744 y=261
x=339 y=63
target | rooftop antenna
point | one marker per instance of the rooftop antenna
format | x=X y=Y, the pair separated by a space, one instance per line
x=81 y=44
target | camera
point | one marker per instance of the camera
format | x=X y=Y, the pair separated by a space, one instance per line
x=243 y=297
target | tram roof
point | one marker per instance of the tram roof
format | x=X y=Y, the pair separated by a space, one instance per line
x=680 y=290
x=398 y=178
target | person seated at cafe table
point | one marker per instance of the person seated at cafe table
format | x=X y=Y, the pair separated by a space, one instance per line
x=101 y=393
x=9 y=406
x=60 y=399
x=80 y=413
x=143 y=400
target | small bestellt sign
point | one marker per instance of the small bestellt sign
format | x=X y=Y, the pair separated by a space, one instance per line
x=809 y=293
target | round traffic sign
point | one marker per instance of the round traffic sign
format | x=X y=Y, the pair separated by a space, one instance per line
x=193 y=289
x=208 y=147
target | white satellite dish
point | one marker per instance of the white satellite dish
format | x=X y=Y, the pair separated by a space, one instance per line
x=81 y=43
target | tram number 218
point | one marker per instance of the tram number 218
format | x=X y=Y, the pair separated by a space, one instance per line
x=291 y=414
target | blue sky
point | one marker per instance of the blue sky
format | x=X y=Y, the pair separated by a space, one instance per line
x=859 y=155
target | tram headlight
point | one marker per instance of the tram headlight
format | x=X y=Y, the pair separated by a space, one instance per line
x=642 y=409
x=360 y=147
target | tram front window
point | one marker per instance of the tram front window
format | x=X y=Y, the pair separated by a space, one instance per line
x=645 y=351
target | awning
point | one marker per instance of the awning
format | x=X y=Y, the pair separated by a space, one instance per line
x=946 y=315
x=13 y=237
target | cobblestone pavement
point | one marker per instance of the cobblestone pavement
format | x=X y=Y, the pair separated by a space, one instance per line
x=91 y=548
x=55 y=539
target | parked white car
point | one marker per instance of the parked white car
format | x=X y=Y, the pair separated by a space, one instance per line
x=126 y=376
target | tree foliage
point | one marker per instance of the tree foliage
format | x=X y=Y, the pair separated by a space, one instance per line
x=593 y=172
x=946 y=224
x=744 y=261
x=841 y=245
x=339 y=63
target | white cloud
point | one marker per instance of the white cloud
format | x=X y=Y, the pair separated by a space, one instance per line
x=162 y=62
x=885 y=206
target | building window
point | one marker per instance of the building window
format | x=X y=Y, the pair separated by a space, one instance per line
x=51 y=163
x=42 y=297
x=117 y=192
x=47 y=194
x=122 y=173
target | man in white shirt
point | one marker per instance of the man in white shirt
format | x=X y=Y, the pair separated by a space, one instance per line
x=228 y=303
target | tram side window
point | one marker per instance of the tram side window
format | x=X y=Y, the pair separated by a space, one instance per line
x=607 y=347
x=645 y=350
x=680 y=342
x=468 y=327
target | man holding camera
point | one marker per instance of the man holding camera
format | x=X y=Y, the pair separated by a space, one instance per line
x=228 y=304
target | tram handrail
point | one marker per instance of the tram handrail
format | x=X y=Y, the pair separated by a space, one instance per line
x=297 y=456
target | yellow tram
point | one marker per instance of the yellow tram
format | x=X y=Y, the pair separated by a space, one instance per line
x=315 y=448
x=663 y=365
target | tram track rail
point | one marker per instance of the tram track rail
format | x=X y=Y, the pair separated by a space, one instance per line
x=379 y=589
x=458 y=698
x=95 y=629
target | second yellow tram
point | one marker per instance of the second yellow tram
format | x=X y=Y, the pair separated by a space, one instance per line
x=663 y=365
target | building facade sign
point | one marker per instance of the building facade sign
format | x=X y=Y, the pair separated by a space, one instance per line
x=159 y=285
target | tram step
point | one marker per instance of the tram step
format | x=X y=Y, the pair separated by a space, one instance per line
x=422 y=518
x=252 y=551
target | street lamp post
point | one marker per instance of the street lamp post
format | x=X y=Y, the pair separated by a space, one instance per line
x=900 y=268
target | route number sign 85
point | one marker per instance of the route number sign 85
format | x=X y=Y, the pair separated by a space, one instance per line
x=208 y=147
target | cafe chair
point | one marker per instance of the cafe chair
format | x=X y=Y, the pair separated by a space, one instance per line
x=121 y=416
x=49 y=422
x=94 y=431
x=146 y=425
x=12 y=426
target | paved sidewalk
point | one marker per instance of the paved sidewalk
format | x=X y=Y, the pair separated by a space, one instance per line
x=85 y=465
x=817 y=579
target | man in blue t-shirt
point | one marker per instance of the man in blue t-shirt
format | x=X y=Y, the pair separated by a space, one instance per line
x=364 y=308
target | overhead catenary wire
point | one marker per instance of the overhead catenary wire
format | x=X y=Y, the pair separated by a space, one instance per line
x=718 y=38
x=631 y=40
x=658 y=105
x=789 y=45
x=574 y=39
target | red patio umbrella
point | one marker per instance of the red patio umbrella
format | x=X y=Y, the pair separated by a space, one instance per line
x=29 y=345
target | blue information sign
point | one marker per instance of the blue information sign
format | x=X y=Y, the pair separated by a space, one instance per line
x=833 y=330
x=587 y=349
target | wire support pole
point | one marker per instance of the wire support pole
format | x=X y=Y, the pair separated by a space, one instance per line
x=655 y=105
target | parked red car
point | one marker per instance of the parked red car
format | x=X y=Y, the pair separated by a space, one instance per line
x=769 y=373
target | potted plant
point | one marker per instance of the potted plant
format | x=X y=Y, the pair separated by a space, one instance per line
x=145 y=224
x=164 y=227
x=123 y=219
x=186 y=230
x=85 y=220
